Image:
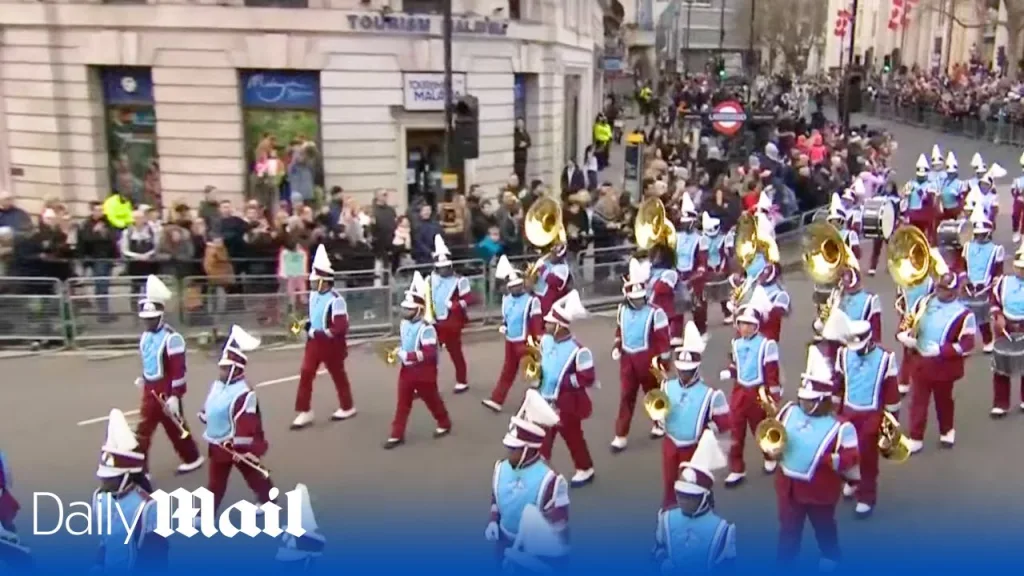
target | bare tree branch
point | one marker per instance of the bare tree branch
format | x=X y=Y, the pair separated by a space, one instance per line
x=941 y=10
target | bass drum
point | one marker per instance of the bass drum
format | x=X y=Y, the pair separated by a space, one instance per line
x=954 y=233
x=878 y=220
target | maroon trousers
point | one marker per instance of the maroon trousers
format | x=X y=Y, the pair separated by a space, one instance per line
x=1017 y=216
x=700 y=315
x=220 y=465
x=672 y=457
x=634 y=375
x=450 y=336
x=926 y=386
x=571 y=429
x=867 y=425
x=424 y=389
x=906 y=366
x=744 y=413
x=1001 y=391
x=153 y=415
x=514 y=352
x=792 y=515
x=876 y=252
x=321 y=350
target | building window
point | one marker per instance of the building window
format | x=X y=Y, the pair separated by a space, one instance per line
x=423 y=6
x=131 y=133
x=514 y=10
x=277 y=3
x=281 y=116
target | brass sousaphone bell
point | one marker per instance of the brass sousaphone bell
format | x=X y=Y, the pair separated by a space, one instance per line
x=911 y=261
x=770 y=433
x=825 y=257
x=543 y=229
x=892 y=443
x=652 y=227
x=656 y=402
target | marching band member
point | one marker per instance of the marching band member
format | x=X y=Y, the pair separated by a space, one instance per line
x=951 y=190
x=525 y=479
x=937 y=173
x=860 y=304
x=121 y=472
x=910 y=296
x=450 y=294
x=839 y=217
x=831 y=335
x=1008 y=317
x=234 y=425
x=979 y=171
x=693 y=408
x=163 y=381
x=418 y=356
x=520 y=320
x=715 y=246
x=641 y=335
x=326 y=343
x=661 y=287
x=819 y=457
x=567 y=371
x=983 y=262
x=865 y=375
x=944 y=337
x=918 y=201
x=771 y=325
x=12 y=554
x=690 y=264
x=753 y=364
x=554 y=278
x=300 y=553
x=989 y=194
x=691 y=538
x=1017 y=212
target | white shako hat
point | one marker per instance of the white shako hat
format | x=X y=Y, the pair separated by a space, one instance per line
x=756 y=309
x=697 y=477
x=709 y=224
x=1018 y=256
x=1021 y=160
x=764 y=203
x=442 y=255
x=635 y=284
x=979 y=219
x=921 y=167
x=687 y=210
x=507 y=272
x=995 y=172
x=567 y=310
x=154 y=302
x=528 y=428
x=239 y=342
x=688 y=356
x=951 y=163
x=817 y=377
x=837 y=326
x=974 y=198
x=309 y=545
x=859 y=334
x=120 y=452
x=766 y=232
x=836 y=210
x=937 y=155
x=978 y=164
x=416 y=295
x=322 y=269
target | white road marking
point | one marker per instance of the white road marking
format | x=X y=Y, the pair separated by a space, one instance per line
x=263 y=384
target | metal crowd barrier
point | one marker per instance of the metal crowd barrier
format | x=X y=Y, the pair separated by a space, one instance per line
x=995 y=130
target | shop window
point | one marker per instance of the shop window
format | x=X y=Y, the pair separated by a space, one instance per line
x=423 y=6
x=281 y=112
x=514 y=10
x=131 y=134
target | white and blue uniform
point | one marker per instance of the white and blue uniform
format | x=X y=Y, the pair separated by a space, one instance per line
x=413 y=336
x=750 y=356
x=864 y=377
x=637 y=327
x=694 y=544
x=979 y=258
x=951 y=192
x=559 y=270
x=715 y=247
x=860 y=305
x=917 y=194
x=693 y=408
x=516 y=312
x=778 y=296
x=323 y=306
x=512 y=489
x=938 y=320
x=442 y=292
x=1010 y=295
x=153 y=345
x=810 y=440
x=222 y=410
x=116 y=557
x=558 y=360
x=687 y=247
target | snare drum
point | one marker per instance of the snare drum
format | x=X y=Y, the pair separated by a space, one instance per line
x=878 y=219
x=718 y=289
x=954 y=233
x=684 y=297
x=1008 y=356
x=979 y=305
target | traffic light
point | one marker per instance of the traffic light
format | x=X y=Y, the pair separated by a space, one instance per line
x=721 y=68
x=887 y=63
x=466 y=127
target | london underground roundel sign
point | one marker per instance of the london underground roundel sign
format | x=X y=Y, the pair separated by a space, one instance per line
x=727 y=117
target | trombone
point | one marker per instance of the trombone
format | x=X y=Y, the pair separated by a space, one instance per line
x=770 y=433
x=388 y=352
x=543 y=229
x=892 y=443
x=825 y=257
x=531 y=364
x=246 y=458
x=297 y=325
x=656 y=402
x=179 y=421
x=911 y=261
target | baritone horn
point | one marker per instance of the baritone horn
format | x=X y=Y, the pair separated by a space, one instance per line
x=543 y=229
x=656 y=402
x=531 y=360
x=770 y=433
x=892 y=443
x=388 y=352
x=911 y=260
x=652 y=227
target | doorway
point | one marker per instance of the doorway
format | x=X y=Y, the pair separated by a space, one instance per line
x=424 y=153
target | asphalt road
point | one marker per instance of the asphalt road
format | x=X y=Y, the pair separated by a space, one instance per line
x=52 y=427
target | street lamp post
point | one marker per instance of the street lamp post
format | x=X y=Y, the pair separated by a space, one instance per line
x=847 y=88
x=689 y=16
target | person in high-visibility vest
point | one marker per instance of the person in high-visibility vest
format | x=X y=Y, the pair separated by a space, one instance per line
x=602 y=140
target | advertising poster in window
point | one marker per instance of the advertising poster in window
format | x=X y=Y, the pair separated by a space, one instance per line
x=134 y=163
x=282 y=135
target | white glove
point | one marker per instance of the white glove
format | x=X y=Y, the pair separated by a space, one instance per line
x=724 y=375
x=616 y=354
x=403 y=356
x=931 y=350
x=906 y=339
x=835 y=462
x=818 y=325
x=502 y=329
x=174 y=405
x=491 y=532
x=139 y=382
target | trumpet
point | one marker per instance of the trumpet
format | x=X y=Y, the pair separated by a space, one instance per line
x=179 y=422
x=531 y=365
x=297 y=326
x=656 y=402
x=740 y=293
x=770 y=433
x=388 y=352
x=892 y=443
x=247 y=459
